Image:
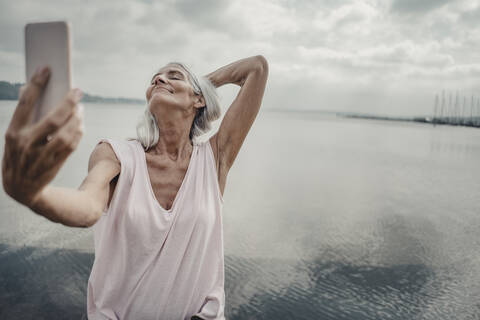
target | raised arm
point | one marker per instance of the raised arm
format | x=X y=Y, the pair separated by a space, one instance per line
x=251 y=75
x=34 y=153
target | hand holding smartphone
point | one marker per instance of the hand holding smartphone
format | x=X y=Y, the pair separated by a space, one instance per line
x=36 y=150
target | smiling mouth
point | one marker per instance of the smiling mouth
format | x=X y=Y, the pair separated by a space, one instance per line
x=160 y=87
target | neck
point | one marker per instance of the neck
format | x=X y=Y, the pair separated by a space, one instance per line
x=174 y=135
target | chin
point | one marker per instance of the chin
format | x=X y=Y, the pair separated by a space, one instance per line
x=158 y=98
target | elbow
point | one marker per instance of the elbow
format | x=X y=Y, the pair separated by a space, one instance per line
x=93 y=212
x=84 y=222
x=261 y=64
x=91 y=219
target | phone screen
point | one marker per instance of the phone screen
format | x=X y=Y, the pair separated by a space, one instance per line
x=48 y=44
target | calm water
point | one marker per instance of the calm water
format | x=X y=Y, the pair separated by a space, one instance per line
x=325 y=218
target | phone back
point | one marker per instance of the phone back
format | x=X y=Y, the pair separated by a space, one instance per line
x=48 y=44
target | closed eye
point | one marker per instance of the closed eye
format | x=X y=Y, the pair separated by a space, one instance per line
x=173 y=75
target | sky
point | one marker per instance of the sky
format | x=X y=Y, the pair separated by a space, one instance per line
x=386 y=57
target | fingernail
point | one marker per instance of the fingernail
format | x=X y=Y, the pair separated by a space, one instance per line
x=42 y=73
x=45 y=71
x=77 y=95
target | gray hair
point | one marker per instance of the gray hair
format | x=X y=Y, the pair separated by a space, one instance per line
x=147 y=128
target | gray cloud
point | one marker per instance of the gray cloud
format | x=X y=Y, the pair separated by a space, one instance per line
x=471 y=17
x=417 y=6
x=207 y=14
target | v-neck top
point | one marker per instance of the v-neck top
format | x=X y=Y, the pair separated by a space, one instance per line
x=152 y=263
x=181 y=185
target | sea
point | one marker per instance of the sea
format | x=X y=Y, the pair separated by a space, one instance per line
x=324 y=218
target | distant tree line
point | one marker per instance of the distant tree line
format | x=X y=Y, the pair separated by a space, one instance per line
x=9 y=91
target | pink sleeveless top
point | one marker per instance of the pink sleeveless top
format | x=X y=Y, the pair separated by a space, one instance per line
x=152 y=263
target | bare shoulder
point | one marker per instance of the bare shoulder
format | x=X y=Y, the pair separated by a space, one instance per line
x=103 y=172
x=103 y=153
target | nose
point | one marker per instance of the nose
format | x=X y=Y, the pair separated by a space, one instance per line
x=159 y=79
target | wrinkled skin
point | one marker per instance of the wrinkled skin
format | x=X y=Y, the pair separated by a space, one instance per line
x=35 y=152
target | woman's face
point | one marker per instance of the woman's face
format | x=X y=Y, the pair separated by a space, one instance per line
x=171 y=86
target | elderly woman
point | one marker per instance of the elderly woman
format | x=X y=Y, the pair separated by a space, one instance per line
x=155 y=202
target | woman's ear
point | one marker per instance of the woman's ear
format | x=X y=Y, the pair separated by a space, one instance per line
x=199 y=101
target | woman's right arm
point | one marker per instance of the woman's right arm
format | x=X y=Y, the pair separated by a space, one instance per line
x=35 y=152
x=82 y=207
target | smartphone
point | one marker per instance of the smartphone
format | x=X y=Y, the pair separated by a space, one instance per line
x=49 y=44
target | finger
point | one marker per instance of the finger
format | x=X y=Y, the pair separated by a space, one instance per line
x=63 y=143
x=56 y=118
x=57 y=159
x=28 y=97
x=63 y=139
x=75 y=140
x=61 y=155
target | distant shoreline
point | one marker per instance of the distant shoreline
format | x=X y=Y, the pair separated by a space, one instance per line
x=9 y=91
x=473 y=122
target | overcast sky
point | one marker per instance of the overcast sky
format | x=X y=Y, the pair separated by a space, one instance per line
x=387 y=57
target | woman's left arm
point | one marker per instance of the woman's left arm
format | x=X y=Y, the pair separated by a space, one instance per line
x=251 y=75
